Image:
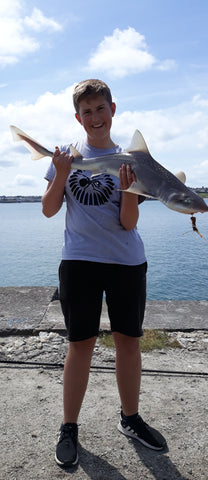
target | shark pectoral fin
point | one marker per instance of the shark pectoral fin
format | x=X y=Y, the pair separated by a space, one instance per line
x=74 y=152
x=143 y=194
x=181 y=176
x=138 y=143
x=134 y=188
x=97 y=173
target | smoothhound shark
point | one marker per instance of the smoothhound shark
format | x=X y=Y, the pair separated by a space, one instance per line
x=153 y=180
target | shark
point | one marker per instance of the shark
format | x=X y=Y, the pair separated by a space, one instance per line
x=152 y=179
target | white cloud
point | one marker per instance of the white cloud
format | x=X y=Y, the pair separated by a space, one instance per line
x=166 y=65
x=50 y=120
x=37 y=21
x=11 y=6
x=25 y=180
x=15 y=38
x=200 y=102
x=203 y=137
x=125 y=53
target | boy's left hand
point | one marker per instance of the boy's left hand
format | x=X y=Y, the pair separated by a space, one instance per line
x=126 y=176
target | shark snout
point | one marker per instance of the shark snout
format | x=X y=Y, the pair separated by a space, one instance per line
x=188 y=202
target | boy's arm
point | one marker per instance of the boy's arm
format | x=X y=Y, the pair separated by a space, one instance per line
x=53 y=197
x=129 y=212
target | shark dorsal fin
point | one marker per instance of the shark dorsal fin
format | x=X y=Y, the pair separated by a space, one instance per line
x=74 y=152
x=181 y=176
x=138 y=143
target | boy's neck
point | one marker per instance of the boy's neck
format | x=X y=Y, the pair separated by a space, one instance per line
x=101 y=143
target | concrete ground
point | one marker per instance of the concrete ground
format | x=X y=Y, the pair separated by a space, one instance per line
x=173 y=396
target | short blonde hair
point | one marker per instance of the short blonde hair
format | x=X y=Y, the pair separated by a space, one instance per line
x=89 y=87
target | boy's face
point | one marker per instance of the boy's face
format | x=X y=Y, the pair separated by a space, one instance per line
x=95 y=115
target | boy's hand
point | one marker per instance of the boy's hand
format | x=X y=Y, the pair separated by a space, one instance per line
x=126 y=176
x=129 y=202
x=62 y=161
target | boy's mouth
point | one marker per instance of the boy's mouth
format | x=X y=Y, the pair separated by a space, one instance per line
x=98 y=126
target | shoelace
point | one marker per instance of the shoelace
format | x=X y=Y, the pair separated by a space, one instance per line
x=138 y=422
x=67 y=431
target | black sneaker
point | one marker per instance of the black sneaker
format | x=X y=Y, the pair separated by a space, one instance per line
x=66 y=451
x=138 y=429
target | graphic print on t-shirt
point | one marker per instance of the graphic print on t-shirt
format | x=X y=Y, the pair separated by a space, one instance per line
x=94 y=190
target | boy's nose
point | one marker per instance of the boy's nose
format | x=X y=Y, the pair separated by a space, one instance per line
x=95 y=116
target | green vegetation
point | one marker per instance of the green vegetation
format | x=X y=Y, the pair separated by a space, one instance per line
x=151 y=340
x=203 y=194
x=157 y=339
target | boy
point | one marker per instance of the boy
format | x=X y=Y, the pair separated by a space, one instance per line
x=102 y=252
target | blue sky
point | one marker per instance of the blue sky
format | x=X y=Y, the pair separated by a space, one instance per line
x=152 y=54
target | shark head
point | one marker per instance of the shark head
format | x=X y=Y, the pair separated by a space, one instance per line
x=186 y=202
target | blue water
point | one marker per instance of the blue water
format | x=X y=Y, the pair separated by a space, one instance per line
x=30 y=250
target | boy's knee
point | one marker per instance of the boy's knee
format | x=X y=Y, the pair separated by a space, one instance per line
x=83 y=345
x=129 y=345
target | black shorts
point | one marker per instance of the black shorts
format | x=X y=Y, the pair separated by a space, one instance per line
x=82 y=285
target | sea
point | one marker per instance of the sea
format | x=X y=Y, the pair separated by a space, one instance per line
x=30 y=249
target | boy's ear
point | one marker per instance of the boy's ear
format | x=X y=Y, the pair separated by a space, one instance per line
x=113 y=108
x=78 y=118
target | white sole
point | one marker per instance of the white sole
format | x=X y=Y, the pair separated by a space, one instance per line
x=62 y=464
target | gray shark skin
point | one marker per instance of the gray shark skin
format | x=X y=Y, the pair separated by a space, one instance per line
x=153 y=180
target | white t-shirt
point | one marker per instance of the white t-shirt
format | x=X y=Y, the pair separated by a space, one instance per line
x=93 y=231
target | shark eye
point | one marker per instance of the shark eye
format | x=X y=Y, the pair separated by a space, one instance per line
x=187 y=200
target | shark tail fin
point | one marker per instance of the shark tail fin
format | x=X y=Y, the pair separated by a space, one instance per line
x=138 y=143
x=36 y=149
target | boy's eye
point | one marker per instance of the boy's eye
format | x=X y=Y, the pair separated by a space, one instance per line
x=89 y=112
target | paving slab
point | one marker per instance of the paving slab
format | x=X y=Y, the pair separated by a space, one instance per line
x=176 y=315
x=170 y=315
x=23 y=308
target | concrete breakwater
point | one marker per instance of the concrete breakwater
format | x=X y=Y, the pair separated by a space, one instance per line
x=32 y=326
x=26 y=310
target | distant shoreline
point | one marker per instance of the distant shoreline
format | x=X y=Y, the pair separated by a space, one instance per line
x=20 y=199
x=202 y=191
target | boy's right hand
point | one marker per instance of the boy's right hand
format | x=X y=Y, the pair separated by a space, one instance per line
x=62 y=162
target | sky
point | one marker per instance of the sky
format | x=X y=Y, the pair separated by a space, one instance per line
x=152 y=54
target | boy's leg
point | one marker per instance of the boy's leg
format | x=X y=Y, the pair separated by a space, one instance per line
x=76 y=374
x=125 y=297
x=81 y=302
x=126 y=304
x=128 y=371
